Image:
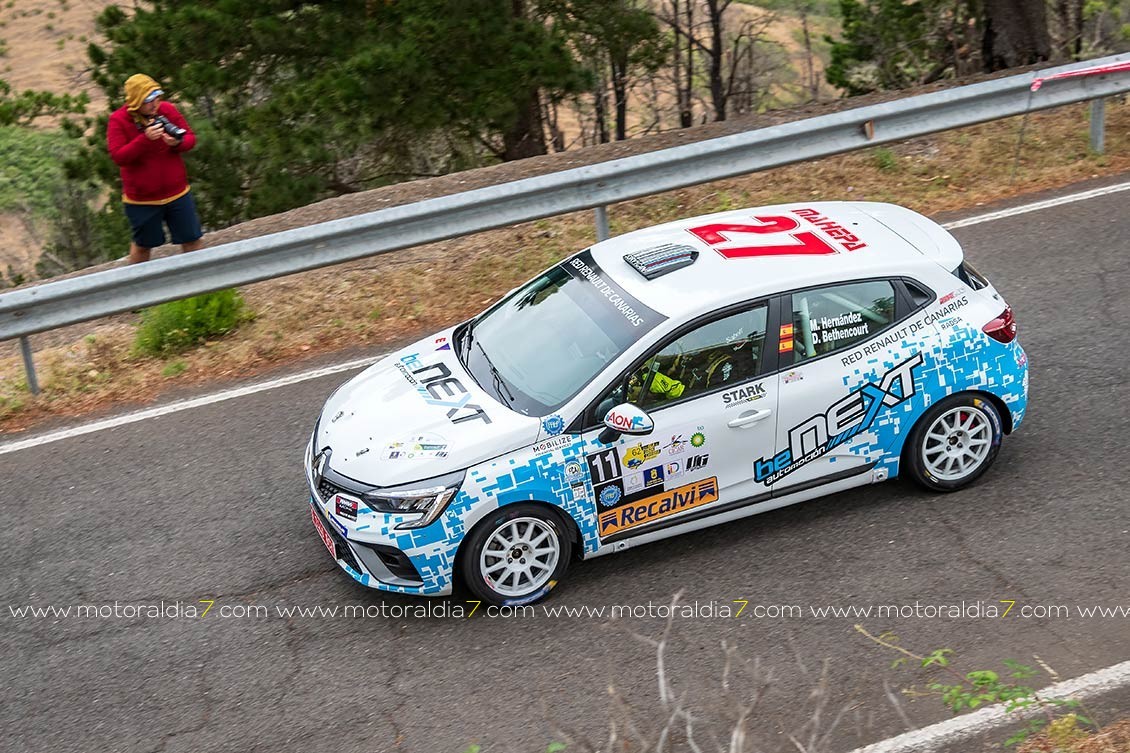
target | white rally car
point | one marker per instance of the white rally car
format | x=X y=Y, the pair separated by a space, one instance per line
x=663 y=381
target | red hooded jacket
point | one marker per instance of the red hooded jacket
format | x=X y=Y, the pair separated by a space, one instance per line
x=152 y=171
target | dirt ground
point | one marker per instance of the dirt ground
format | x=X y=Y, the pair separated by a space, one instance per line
x=46 y=45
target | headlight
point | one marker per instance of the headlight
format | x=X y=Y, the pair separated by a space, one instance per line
x=427 y=498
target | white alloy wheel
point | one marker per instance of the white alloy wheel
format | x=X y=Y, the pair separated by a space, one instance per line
x=957 y=443
x=520 y=556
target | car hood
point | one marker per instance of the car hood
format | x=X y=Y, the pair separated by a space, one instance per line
x=414 y=415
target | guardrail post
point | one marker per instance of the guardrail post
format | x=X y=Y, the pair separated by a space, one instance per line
x=29 y=365
x=602 y=231
x=1098 y=123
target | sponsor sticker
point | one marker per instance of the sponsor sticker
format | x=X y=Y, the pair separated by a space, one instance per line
x=345 y=507
x=624 y=422
x=549 y=445
x=419 y=446
x=610 y=495
x=633 y=482
x=653 y=476
x=658 y=506
x=573 y=471
x=674 y=469
x=553 y=425
x=698 y=439
x=638 y=454
x=676 y=446
x=743 y=395
x=697 y=462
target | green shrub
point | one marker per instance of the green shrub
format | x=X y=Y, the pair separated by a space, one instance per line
x=176 y=326
x=885 y=159
x=81 y=235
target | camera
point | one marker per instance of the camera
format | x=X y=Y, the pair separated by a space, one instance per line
x=170 y=127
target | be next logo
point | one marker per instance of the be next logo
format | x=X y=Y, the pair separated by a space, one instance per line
x=442 y=389
x=814 y=437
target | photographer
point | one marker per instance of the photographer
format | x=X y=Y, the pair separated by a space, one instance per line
x=146 y=138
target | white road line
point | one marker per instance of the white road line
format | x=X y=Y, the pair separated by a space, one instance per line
x=164 y=410
x=985 y=720
x=1037 y=206
x=180 y=405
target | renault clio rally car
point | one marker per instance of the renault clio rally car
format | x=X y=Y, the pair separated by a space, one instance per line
x=663 y=381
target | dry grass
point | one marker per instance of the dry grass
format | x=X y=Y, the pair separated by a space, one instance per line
x=1114 y=738
x=375 y=303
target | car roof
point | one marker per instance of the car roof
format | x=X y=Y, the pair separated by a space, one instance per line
x=870 y=239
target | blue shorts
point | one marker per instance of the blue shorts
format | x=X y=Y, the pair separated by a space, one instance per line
x=147 y=222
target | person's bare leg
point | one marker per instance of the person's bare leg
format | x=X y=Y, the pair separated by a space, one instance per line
x=138 y=253
x=192 y=245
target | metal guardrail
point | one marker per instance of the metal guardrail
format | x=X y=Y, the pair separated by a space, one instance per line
x=56 y=304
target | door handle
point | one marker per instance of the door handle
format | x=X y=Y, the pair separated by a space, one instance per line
x=749 y=419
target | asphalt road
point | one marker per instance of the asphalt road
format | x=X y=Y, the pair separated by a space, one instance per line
x=209 y=504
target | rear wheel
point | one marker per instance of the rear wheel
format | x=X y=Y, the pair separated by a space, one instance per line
x=954 y=443
x=516 y=555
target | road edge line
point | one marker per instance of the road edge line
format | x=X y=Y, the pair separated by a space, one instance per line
x=962 y=727
x=180 y=405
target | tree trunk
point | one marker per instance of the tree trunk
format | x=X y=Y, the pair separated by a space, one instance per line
x=718 y=93
x=1069 y=19
x=600 y=111
x=686 y=90
x=1016 y=33
x=525 y=137
x=620 y=96
x=810 y=81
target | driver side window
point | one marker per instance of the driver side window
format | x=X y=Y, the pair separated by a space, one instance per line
x=719 y=353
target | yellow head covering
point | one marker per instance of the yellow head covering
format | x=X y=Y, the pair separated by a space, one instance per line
x=138 y=87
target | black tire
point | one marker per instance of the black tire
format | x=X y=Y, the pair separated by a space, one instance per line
x=944 y=452
x=526 y=583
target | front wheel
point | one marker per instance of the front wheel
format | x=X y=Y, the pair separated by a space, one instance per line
x=954 y=443
x=516 y=555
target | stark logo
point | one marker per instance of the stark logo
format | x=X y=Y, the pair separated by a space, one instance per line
x=813 y=437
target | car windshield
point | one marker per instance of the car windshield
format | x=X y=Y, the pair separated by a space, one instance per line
x=539 y=346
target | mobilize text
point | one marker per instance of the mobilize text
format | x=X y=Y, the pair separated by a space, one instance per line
x=442 y=389
x=817 y=435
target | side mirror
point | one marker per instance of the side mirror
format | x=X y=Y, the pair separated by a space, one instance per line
x=625 y=419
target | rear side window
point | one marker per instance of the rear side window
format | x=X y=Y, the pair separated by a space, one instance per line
x=839 y=316
x=970 y=276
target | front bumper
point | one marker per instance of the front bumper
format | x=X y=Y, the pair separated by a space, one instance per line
x=372 y=552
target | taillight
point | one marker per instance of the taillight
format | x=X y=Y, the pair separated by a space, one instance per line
x=1003 y=328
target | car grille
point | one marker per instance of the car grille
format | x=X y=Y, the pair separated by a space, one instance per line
x=397 y=562
x=327 y=489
